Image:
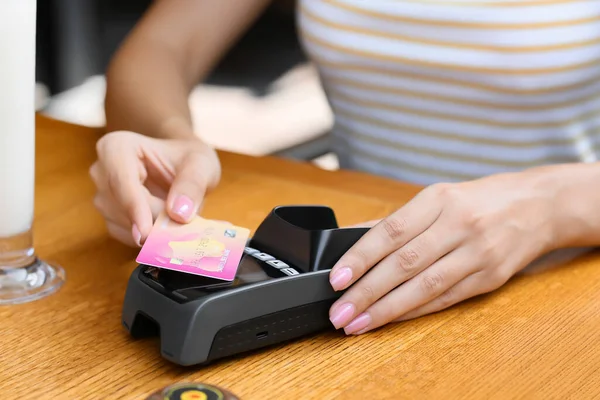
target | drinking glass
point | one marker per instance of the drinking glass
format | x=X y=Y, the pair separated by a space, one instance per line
x=23 y=276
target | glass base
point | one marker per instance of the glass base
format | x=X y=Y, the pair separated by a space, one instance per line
x=33 y=282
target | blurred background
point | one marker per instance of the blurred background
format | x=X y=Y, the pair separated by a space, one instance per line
x=263 y=98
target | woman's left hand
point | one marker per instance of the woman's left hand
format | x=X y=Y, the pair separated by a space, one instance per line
x=449 y=243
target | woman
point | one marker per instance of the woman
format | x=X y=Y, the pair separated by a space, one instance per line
x=492 y=105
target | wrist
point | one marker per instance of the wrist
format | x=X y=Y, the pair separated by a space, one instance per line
x=574 y=217
x=177 y=128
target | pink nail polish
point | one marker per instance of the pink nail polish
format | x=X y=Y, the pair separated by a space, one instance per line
x=184 y=207
x=340 y=278
x=342 y=315
x=137 y=236
x=358 y=324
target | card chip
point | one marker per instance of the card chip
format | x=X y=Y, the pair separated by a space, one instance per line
x=230 y=233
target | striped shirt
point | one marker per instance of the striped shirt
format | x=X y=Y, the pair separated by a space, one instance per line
x=432 y=91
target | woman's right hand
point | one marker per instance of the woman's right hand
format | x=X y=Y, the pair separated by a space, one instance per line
x=137 y=177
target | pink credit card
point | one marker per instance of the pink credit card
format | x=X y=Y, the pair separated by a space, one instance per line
x=202 y=247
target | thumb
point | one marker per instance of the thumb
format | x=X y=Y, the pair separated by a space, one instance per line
x=192 y=180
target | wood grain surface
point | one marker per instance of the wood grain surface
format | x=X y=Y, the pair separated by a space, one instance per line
x=536 y=338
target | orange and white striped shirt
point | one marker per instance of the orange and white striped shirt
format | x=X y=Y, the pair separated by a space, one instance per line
x=430 y=91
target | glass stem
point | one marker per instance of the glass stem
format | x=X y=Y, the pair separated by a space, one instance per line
x=23 y=276
x=17 y=251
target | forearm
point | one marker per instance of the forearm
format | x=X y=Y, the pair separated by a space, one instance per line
x=175 y=45
x=146 y=93
x=576 y=198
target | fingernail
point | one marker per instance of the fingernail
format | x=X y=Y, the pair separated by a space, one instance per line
x=184 y=207
x=137 y=236
x=341 y=315
x=358 y=325
x=340 y=278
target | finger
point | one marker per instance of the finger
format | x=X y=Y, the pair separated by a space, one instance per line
x=421 y=289
x=156 y=189
x=121 y=234
x=191 y=182
x=366 y=224
x=107 y=204
x=112 y=212
x=395 y=269
x=157 y=205
x=124 y=178
x=471 y=286
x=98 y=177
x=388 y=235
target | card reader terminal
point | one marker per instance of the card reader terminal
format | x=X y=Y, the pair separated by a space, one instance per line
x=281 y=291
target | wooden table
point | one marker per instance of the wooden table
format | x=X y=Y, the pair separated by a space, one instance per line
x=537 y=337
